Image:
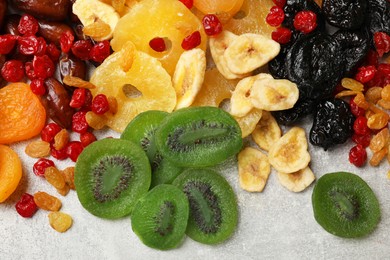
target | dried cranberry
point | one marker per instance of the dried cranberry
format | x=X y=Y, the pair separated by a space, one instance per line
x=382 y=43
x=305 y=21
x=157 y=44
x=29 y=70
x=43 y=67
x=53 y=52
x=88 y=100
x=365 y=74
x=87 y=138
x=73 y=150
x=281 y=35
x=49 y=131
x=280 y=3
x=358 y=155
x=355 y=109
x=188 y=3
x=100 y=51
x=382 y=76
x=360 y=126
x=37 y=86
x=26 y=206
x=28 y=45
x=13 y=71
x=81 y=49
x=7 y=43
x=41 y=46
x=78 y=98
x=191 y=41
x=79 y=122
x=275 y=16
x=66 y=41
x=364 y=140
x=212 y=25
x=372 y=58
x=59 y=154
x=100 y=104
x=41 y=165
x=28 y=25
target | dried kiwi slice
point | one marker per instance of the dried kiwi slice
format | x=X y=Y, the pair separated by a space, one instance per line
x=213 y=205
x=160 y=217
x=141 y=130
x=110 y=176
x=198 y=136
x=344 y=205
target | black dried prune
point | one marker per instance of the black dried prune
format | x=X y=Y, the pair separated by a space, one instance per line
x=315 y=64
x=354 y=47
x=332 y=123
x=346 y=14
x=292 y=7
x=378 y=17
x=290 y=116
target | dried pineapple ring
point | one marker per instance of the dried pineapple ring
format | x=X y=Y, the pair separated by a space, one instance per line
x=168 y=19
x=137 y=81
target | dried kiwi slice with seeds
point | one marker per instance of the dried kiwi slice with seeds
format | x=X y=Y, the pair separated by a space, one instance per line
x=141 y=130
x=213 y=205
x=110 y=176
x=198 y=136
x=160 y=217
x=344 y=205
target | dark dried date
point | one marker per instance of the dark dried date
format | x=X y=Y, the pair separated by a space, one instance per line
x=52 y=31
x=69 y=65
x=54 y=10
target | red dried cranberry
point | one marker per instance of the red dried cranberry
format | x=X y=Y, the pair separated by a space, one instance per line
x=41 y=46
x=100 y=104
x=275 y=16
x=360 y=126
x=280 y=3
x=29 y=70
x=13 y=71
x=73 y=150
x=358 y=155
x=281 y=35
x=41 y=165
x=28 y=25
x=305 y=21
x=88 y=100
x=66 y=41
x=365 y=74
x=157 y=44
x=37 y=86
x=81 y=49
x=364 y=140
x=382 y=43
x=100 y=51
x=53 y=52
x=78 y=98
x=211 y=24
x=43 y=67
x=191 y=41
x=49 y=131
x=26 y=206
x=382 y=76
x=59 y=154
x=188 y=3
x=372 y=58
x=87 y=138
x=7 y=43
x=79 y=122
x=355 y=109
x=28 y=45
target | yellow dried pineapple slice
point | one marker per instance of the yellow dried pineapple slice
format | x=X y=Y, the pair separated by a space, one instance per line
x=137 y=81
x=224 y=9
x=168 y=19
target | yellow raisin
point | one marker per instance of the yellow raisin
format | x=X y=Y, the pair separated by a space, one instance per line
x=46 y=201
x=95 y=121
x=352 y=84
x=113 y=103
x=379 y=140
x=373 y=94
x=77 y=82
x=378 y=156
x=361 y=101
x=377 y=121
x=60 y=221
x=346 y=93
x=385 y=94
x=68 y=174
x=38 y=149
x=119 y=5
x=98 y=29
x=61 y=139
x=64 y=191
x=384 y=103
x=54 y=177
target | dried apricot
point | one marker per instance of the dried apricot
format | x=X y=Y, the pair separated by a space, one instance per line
x=10 y=172
x=21 y=112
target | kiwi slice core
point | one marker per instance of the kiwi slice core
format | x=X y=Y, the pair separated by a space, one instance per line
x=344 y=205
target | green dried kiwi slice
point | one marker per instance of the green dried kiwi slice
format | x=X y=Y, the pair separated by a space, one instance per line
x=213 y=205
x=160 y=217
x=198 y=136
x=344 y=205
x=141 y=130
x=110 y=176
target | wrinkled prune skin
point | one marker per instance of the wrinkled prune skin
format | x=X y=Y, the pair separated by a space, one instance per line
x=314 y=63
x=354 y=47
x=378 y=17
x=290 y=116
x=292 y=7
x=332 y=124
x=345 y=14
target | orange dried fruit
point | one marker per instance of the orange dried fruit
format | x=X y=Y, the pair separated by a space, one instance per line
x=61 y=139
x=68 y=174
x=373 y=94
x=54 y=177
x=352 y=84
x=46 y=201
x=384 y=103
x=77 y=82
x=379 y=140
x=21 y=112
x=361 y=101
x=377 y=121
x=10 y=172
x=64 y=191
x=378 y=156
x=224 y=9
x=385 y=93
x=38 y=149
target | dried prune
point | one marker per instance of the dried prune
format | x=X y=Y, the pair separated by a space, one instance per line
x=292 y=7
x=301 y=109
x=314 y=63
x=346 y=14
x=332 y=123
x=354 y=47
x=378 y=17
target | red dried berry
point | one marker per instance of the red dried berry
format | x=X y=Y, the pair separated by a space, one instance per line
x=78 y=98
x=281 y=35
x=7 y=43
x=363 y=140
x=49 y=131
x=157 y=44
x=360 y=126
x=26 y=206
x=100 y=104
x=212 y=25
x=81 y=49
x=305 y=21
x=372 y=58
x=53 y=52
x=355 y=109
x=66 y=41
x=41 y=165
x=41 y=46
x=365 y=74
x=382 y=43
x=13 y=71
x=100 y=51
x=29 y=70
x=275 y=16
x=88 y=100
x=79 y=122
x=188 y=3
x=28 y=25
x=73 y=150
x=280 y=3
x=59 y=154
x=37 y=86
x=191 y=41
x=87 y=138
x=358 y=155
x=28 y=45
x=43 y=67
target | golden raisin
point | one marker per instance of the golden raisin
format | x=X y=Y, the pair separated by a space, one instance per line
x=60 y=221
x=46 y=201
x=379 y=140
x=64 y=191
x=373 y=94
x=385 y=94
x=361 y=101
x=95 y=121
x=61 y=139
x=384 y=103
x=113 y=103
x=377 y=121
x=352 y=84
x=38 y=149
x=346 y=93
x=54 y=177
x=119 y=5
x=98 y=29
x=378 y=156
x=77 y=82
x=68 y=174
